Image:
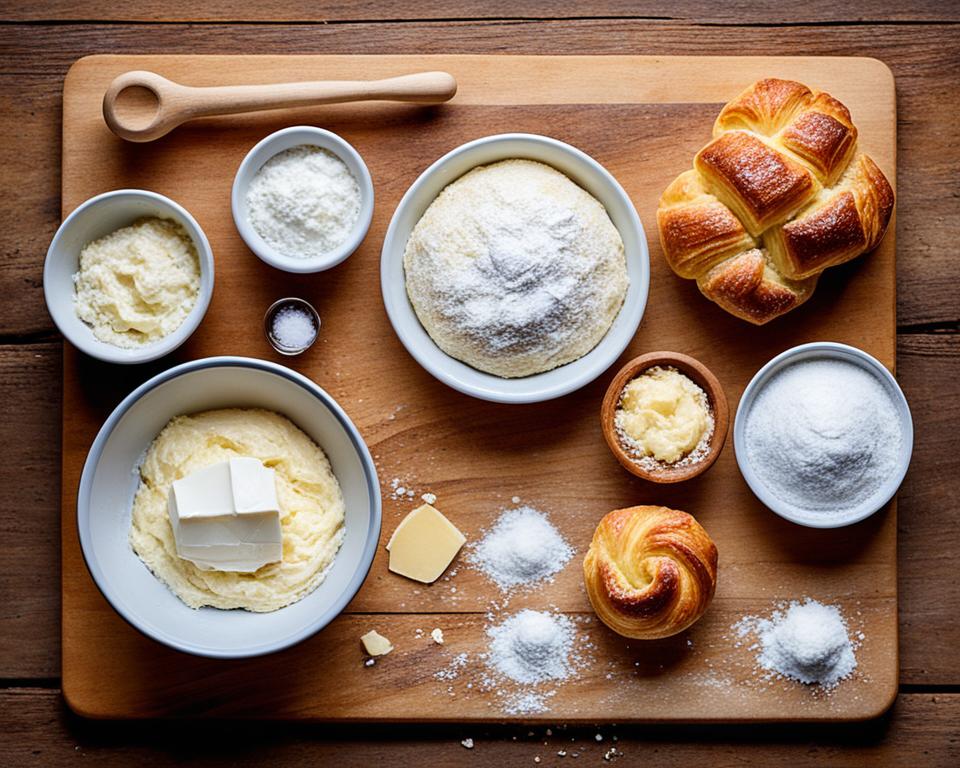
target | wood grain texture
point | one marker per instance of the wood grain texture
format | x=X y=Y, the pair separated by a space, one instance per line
x=696 y=11
x=928 y=503
x=39 y=731
x=467 y=452
x=925 y=60
x=29 y=535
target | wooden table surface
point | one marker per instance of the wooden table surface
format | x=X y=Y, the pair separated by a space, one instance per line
x=920 y=41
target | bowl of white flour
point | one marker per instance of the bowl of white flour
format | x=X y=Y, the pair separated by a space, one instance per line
x=823 y=435
x=302 y=199
x=486 y=345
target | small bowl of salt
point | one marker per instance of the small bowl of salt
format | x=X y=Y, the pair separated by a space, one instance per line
x=302 y=199
x=823 y=435
x=291 y=326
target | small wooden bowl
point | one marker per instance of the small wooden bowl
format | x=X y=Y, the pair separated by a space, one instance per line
x=702 y=377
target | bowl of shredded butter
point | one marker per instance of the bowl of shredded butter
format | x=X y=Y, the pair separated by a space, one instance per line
x=128 y=276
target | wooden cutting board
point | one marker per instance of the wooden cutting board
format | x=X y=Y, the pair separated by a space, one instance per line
x=643 y=118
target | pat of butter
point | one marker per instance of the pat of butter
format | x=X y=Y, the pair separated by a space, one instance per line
x=226 y=517
x=423 y=545
x=376 y=644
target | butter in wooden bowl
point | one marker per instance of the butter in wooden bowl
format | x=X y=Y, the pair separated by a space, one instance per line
x=665 y=417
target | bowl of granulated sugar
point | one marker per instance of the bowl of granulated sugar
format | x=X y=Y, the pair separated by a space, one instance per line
x=302 y=199
x=823 y=435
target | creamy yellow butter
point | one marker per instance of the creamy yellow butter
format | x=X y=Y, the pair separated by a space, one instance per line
x=663 y=414
x=309 y=496
x=424 y=545
x=139 y=283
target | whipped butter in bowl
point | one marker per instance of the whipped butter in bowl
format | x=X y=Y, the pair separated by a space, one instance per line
x=128 y=276
x=228 y=508
x=665 y=417
x=237 y=508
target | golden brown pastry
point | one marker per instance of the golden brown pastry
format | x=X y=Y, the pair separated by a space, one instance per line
x=650 y=572
x=775 y=198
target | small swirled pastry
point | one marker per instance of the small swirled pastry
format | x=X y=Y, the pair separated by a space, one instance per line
x=650 y=572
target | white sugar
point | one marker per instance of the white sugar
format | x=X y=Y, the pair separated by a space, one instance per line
x=807 y=642
x=304 y=201
x=521 y=549
x=532 y=647
x=823 y=435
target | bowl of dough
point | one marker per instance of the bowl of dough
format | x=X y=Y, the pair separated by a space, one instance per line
x=228 y=508
x=515 y=269
x=128 y=276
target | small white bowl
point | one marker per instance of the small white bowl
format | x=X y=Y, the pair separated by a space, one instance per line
x=582 y=170
x=821 y=350
x=274 y=144
x=96 y=218
x=110 y=478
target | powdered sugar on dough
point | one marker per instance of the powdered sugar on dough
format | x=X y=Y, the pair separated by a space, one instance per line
x=515 y=270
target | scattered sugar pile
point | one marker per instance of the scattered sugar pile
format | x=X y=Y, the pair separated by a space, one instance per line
x=521 y=549
x=807 y=642
x=532 y=647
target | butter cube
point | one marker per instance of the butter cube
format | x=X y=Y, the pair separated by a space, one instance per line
x=226 y=517
x=424 y=544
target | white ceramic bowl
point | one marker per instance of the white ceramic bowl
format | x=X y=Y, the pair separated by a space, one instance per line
x=96 y=218
x=110 y=479
x=278 y=142
x=588 y=174
x=821 y=350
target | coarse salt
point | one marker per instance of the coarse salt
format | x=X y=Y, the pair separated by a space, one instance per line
x=293 y=328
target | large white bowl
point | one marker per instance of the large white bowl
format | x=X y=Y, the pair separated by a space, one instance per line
x=824 y=350
x=96 y=218
x=110 y=478
x=263 y=151
x=589 y=175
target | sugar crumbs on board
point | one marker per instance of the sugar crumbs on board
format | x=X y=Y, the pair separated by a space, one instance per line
x=401 y=491
x=808 y=642
x=523 y=548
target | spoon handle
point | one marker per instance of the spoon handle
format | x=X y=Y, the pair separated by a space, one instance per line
x=420 y=88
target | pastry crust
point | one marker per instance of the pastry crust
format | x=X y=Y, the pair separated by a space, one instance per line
x=650 y=571
x=749 y=287
x=777 y=197
x=759 y=184
x=696 y=229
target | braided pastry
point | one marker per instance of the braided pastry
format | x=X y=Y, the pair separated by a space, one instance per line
x=650 y=572
x=777 y=197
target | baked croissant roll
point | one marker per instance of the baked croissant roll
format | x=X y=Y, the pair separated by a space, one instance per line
x=650 y=572
x=774 y=199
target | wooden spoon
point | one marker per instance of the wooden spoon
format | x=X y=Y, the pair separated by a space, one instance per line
x=143 y=106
